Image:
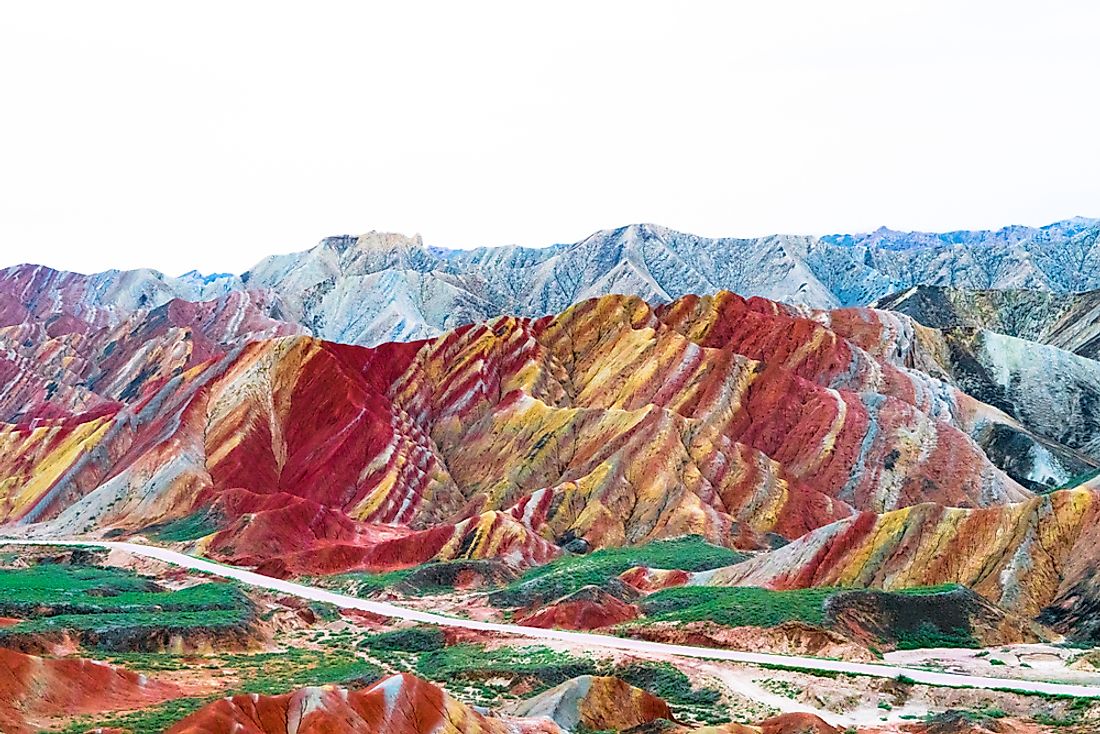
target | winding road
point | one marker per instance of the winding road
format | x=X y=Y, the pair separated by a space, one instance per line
x=588 y=639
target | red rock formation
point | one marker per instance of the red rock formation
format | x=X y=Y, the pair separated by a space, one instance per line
x=796 y=724
x=1023 y=557
x=613 y=422
x=789 y=638
x=399 y=704
x=586 y=609
x=34 y=690
x=654 y=579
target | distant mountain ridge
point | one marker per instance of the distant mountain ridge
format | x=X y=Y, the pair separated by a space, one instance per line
x=382 y=287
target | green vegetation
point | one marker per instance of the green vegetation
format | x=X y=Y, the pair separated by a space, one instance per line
x=927 y=634
x=278 y=672
x=666 y=681
x=152 y=720
x=112 y=606
x=361 y=583
x=757 y=607
x=106 y=597
x=414 y=639
x=819 y=672
x=493 y=673
x=263 y=673
x=572 y=572
x=784 y=688
x=737 y=606
x=55 y=578
x=192 y=527
x=128 y=624
x=540 y=666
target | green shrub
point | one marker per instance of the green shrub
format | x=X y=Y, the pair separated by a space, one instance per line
x=192 y=527
x=362 y=583
x=414 y=639
x=928 y=634
x=540 y=666
x=666 y=681
x=264 y=673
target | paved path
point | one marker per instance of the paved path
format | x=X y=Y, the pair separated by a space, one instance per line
x=584 y=639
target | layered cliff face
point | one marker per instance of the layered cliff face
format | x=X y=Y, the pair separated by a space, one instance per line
x=1069 y=321
x=386 y=287
x=611 y=423
x=1032 y=557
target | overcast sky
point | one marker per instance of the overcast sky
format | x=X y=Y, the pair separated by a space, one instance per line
x=207 y=135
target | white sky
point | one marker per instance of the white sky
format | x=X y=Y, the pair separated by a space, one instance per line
x=207 y=135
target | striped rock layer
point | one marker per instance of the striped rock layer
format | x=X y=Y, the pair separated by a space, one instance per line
x=613 y=422
x=1029 y=557
x=401 y=704
x=34 y=690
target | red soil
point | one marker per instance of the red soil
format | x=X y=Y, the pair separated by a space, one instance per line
x=34 y=689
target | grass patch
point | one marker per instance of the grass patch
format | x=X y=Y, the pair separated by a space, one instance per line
x=737 y=606
x=51 y=579
x=279 y=672
x=263 y=673
x=105 y=597
x=569 y=573
x=927 y=634
x=539 y=666
x=668 y=682
x=757 y=607
x=153 y=720
x=493 y=673
x=361 y=583
x=112 y=607
x=192 y=527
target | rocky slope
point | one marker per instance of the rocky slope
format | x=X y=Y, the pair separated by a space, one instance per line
x=1069 y=321
x=405 y=704
x=384 y=287
x=1036 y=558
x=34 y=689
x=595 y=703
x=1052 y=394
x=402 y=704
x=611 y=423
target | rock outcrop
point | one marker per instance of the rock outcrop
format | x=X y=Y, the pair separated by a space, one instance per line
x=595 y=703
x=401 y=704
x=34 y=690
x=1026 y=557
x=586 y=609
